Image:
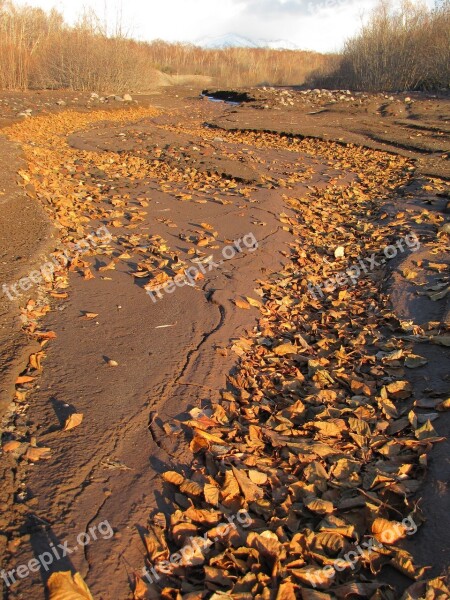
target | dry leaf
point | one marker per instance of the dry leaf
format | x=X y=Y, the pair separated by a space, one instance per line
x=35 y=454
x=73 y=421
x=36 y=360
x=242 y=304
x=413 y=361
x=11 y=446
x=388 y=532
x=284 y=349
x=65 y=586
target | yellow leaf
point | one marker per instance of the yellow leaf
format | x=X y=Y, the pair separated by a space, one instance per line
x=242 y=304
x=388 y=532
x=65 y=586
x=73 y=421
x=35 y=360
x=173 y=477
x=34 y=454
x=284 y=349
x=109 y=267
x=253 y=302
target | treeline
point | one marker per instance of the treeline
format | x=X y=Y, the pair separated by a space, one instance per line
x=399 y=49
x=240 y=66
x=39 y=50
x=404 y=48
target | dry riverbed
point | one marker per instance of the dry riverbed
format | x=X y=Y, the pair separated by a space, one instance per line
x=242 y=318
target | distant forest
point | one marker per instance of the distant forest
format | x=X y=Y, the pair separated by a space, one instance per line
x=398 y=49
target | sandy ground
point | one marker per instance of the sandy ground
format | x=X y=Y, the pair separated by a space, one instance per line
x=174 y=354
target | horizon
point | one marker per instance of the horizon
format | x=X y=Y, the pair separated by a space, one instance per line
x=318 y=25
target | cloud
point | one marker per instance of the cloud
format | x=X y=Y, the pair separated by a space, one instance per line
x=310 y=24
x=278 y=8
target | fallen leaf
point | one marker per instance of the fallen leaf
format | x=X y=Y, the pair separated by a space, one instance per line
x=11 y=446
x=413 y=361
x=388 y=532
x=35 y=454
x=73 y=421
x=242 y=304
x=62 y=585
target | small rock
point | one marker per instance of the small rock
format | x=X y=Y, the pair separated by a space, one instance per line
x=94 y=95
x=445 y=228
x=218 y=139
x=127 y=98
x=408 y=99
x=61 y=103
x=119 y=99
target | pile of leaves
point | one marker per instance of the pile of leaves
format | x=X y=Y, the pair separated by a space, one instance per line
x=318 y=437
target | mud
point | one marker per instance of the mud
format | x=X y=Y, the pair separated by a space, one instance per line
x=175 y=354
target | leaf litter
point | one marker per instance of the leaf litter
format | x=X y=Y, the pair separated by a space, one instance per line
x=311 y=438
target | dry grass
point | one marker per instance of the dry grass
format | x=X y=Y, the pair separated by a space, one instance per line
x=407 y=48
x=39 y=50
x=398 y=49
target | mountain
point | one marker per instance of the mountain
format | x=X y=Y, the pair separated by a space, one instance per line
x=232 y=40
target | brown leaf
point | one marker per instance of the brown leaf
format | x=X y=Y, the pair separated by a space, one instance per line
x=65 y=586
x=284 y=349
x=11 y=446
x=388 y=532
x=173 y=477
x=413 y=361
x=140 y=588
x=321 y=507
x=73 y=421
x=286 y=591
x=400 y=390
x=156 y=544
x=250 y=490
x=36 y=359
x=35 y=454
x=24 y=379
x=242 y=304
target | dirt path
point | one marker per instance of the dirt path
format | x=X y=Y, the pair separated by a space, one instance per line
x=170 y=192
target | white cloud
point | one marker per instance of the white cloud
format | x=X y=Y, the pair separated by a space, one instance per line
x=311 y=24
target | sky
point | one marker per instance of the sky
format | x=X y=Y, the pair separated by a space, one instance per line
x=320 y=25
